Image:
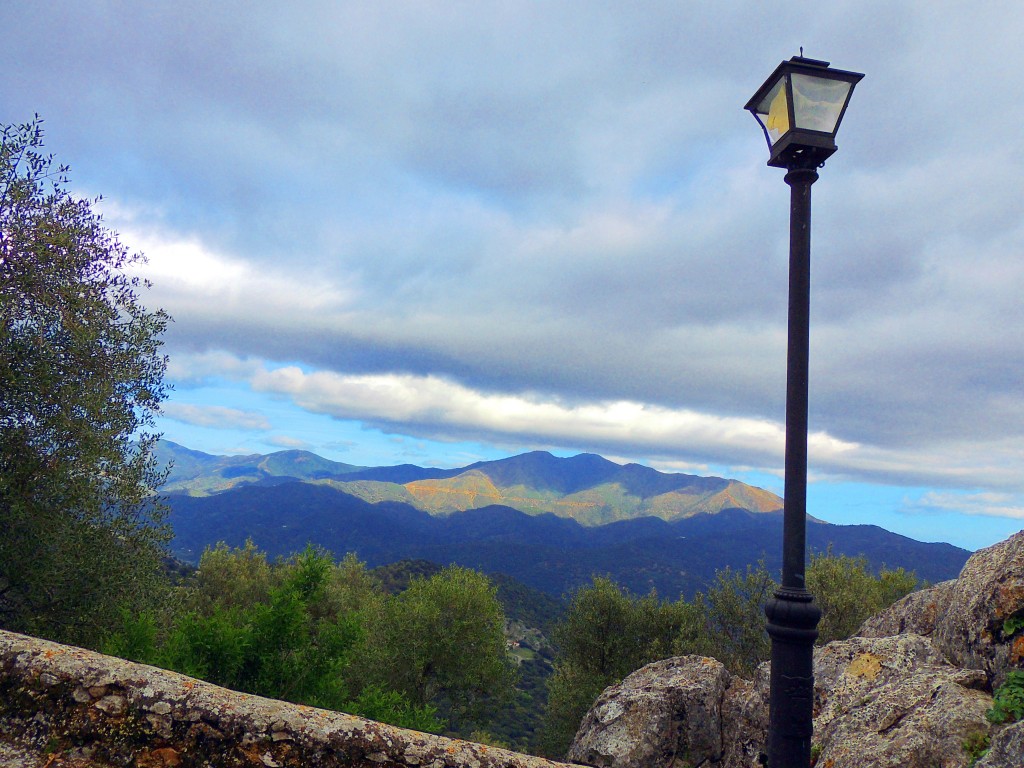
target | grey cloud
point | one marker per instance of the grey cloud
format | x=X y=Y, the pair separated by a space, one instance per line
x=568 y=198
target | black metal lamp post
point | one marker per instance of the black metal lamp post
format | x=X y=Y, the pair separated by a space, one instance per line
x=799 y=107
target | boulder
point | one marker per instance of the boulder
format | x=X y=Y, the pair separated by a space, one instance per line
x=667 y=714
x=891 y=702
x=745 y=722
x=982 y=626
x=916 y=613
x=894 y=702
x=1006 y=749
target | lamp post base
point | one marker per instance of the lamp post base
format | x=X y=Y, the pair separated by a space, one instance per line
x=792 y=625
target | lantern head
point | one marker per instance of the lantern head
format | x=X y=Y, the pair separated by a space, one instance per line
x=799 y=108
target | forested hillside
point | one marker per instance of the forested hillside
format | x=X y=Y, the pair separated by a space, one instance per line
x=546 y=552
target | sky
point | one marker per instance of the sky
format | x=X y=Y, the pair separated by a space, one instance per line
x=440 y=232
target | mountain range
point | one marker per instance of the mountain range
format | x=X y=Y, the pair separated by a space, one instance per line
x=586 y=488
x=548 y=522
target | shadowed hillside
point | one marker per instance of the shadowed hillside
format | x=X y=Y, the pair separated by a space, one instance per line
x=550 y=553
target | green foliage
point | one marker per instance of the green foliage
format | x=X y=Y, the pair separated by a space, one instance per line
x=275 y=634
x=571 y=693
x=213 y=647
x=728 y=623
x=314 y=632
x=232 y=578
x=300 y=648
x=519 y=721
x=976 y=746
x=81 y=377
x=609 y=633
x=441 y=640
x=605 y=635
x=392 y=707
x=1012 y=626
x=137 y=638
x=848 y=593
x=1008 y=700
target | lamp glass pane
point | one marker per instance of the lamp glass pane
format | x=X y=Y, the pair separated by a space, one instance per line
x=818 y=102
x=773 y=112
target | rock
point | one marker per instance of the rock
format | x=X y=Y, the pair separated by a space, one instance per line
x=745 y=722
x=894 y=702
x=1006 y=749
x=880 y=702
x=909 y=691
x=916 y=613
x=667 y=714
x=46 y=704
x=979 y=628
x=112 y=705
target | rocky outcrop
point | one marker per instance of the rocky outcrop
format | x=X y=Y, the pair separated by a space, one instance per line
x=915 y=614
x=83 y=708
x=894 y=702
x=676 y=713
x=1006 y=749
x=910 y=691
x=679 y=699
x=889 y=702
x=983 y=625
x=976 y=620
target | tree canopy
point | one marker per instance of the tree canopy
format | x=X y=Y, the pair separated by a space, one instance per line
x=81 y=377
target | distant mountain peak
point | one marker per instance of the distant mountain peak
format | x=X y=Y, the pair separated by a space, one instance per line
x=586 y=487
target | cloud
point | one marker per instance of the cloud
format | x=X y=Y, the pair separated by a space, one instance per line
x=189 y=277
x=986 y=504
x=289 y=443
x=442 y=408
x=191 y=369
x=215 y=416
x=520 y=221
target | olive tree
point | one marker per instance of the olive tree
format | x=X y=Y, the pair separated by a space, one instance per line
x=81 y=377
x=849 y=593
x=606 y=634
x=441 y=641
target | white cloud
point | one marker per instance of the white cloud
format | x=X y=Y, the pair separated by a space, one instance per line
x=987 y=504
x=284 y=441
x=443 y=407
x=193 y=368
x=190 y=278
x=215 y=416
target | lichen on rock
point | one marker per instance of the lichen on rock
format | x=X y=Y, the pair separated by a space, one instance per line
x=78 y=704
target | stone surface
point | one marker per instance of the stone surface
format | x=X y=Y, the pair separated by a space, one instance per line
x=15 y=755
x=894 y=702
x=64 y=706
x=972 y=631
x=667 y=714
x=1007 y=748
x=916 y=613
x=891 y=702
x=745 y=722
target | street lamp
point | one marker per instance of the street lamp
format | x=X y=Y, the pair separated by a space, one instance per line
x=799 y=108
